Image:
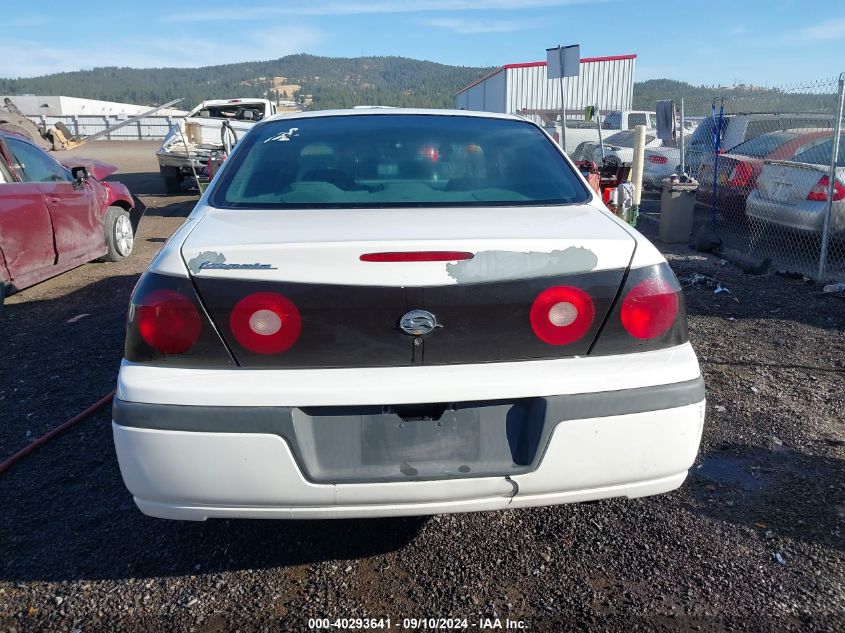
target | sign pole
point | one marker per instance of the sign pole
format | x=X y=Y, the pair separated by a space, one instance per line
x=562 y=101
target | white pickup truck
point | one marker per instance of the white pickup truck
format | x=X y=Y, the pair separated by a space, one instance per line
x=580 y=131
x=213 y=126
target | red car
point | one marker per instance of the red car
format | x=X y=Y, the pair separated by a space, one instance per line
x=54 y=216
x=739 y=168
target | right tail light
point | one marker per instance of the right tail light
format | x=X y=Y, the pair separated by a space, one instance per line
x=819 y=192
x=648 y=314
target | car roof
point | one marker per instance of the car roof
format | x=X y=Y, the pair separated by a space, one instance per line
x=17 y=135
x=812 y=131
x=369 y=111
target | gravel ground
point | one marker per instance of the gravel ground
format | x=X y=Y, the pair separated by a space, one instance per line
x=753 y=541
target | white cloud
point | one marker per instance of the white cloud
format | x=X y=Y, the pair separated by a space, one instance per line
x=468 y=26
x=827 y=30
x=27 y=58
x=327 y=8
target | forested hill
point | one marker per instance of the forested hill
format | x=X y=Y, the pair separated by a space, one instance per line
x=345 y=82
x=698 y=100
x=333 y=82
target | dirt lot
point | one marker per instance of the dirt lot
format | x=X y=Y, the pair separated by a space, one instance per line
x=752 y=541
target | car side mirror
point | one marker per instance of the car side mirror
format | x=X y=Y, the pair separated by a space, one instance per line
x=80 y=174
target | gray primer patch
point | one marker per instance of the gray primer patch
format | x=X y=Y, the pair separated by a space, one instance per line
x=507 y=265
x=209 y=257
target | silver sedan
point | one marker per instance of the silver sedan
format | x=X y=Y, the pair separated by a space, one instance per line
x=794 y=194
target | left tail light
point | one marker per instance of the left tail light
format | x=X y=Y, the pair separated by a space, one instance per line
x=649 y=314
x=167 y=324
x=742 y=175
x=561 y=315
x=168 y=321
x=265 y=323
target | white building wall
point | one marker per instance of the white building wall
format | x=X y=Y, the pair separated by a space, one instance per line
x=605 y=82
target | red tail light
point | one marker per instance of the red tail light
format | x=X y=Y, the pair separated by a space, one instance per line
x=265 y=323
x=742 y=175
x=649 y=309
x=430 y=153
x=657 y=160
x=168 y=321
x=819 y=192
x=562 y=314
x=416 y=256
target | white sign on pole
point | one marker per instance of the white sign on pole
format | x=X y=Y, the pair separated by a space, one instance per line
x=563 y=61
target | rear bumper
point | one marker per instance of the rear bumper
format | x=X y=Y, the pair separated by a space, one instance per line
x=182 y=161
x=807 y=215
x=192 y=463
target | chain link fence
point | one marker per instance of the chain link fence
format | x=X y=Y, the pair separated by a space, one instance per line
x=771 y=175
x=763 y=157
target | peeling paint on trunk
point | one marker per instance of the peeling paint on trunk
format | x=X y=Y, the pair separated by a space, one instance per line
x=508 y=265
x=205 y=257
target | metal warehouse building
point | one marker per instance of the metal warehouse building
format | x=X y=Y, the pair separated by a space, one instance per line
x=606 y=82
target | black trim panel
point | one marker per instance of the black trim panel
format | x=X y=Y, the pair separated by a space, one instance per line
x=382 y=443
x=357 y=326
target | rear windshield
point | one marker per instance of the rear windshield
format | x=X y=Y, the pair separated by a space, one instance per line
x=821 y=153
x=703 y=134
x=626 y=139
x=762 y=146
x=612 y=121
x=396 y=161
x=234 y=111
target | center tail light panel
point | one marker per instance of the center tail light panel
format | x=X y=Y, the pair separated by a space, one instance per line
x=280 y=325
x=359 y=326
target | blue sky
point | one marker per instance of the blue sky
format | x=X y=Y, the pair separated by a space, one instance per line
x=765 y=42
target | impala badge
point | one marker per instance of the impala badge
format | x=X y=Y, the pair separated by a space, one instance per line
x=418 y=322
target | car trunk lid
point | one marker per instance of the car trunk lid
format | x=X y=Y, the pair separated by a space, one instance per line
x=350 y=309
x=788 y=182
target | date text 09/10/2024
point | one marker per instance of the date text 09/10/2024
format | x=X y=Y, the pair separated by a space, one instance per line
x=416 y=624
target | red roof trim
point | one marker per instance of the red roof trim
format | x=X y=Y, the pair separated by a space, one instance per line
x=609 y=58
x=524 y=65
x=584 y=60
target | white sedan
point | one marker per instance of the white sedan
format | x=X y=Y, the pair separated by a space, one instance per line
x=402 y=312
x=620 y=145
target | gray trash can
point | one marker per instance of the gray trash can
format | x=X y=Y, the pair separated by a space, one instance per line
x=677 y=205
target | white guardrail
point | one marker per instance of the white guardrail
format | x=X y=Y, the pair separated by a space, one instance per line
x=148 y=128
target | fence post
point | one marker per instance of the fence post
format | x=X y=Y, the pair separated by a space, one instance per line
x=683 y=167
x=75 y=121
x=831 y=185
x=140 y=133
